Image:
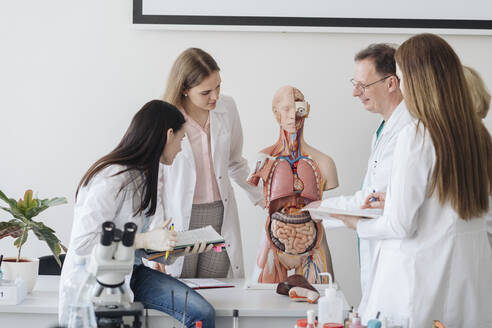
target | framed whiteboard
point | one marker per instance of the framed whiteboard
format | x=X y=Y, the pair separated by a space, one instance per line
x=468 y=17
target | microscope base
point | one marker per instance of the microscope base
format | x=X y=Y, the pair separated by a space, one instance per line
x=111 y=315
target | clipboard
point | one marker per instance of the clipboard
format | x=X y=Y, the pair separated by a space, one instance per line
x=188 y=238
x=324 y=212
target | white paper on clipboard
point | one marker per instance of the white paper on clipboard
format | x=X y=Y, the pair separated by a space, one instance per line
x=320 y=212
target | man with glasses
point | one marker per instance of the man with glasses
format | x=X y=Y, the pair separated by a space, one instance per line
x=376 y=85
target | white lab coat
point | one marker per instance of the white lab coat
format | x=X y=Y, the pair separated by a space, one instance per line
x=377 y=178
x=101 y=201
x=180 y=178
x=429 y=263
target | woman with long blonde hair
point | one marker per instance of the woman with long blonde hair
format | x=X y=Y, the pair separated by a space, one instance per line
x=434 y=260
x=197 y=187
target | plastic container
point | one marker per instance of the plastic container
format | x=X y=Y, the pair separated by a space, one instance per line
x=311 y=317
x=77 y=308
x=374 y=323
x=356 y=323
x=332 y=325
x=330 y=306
x=81 y=315
x=348 y=319
x=301 y=323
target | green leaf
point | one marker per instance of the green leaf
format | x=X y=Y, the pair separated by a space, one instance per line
x=20 y=226
x=34 y=211
x=28 y=198
x=16 y=214
x=56 y=201
x=43 y=204
x=12 y=228
x=47 y=234
x=12 y=202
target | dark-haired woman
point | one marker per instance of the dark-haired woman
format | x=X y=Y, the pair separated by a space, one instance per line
x=125 y=186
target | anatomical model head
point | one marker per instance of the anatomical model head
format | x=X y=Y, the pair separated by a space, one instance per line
x=290 y=108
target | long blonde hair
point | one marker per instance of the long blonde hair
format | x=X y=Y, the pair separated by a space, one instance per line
x=189 y=70
x=480 y=94
x=437 y=94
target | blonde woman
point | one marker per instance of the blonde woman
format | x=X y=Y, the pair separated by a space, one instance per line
x=434 y=260
x=480 y=94
x=481 y=104
x=197 y=188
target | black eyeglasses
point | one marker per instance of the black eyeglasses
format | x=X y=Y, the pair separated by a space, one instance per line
x=362 y=87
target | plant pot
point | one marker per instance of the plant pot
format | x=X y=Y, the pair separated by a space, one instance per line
x=26 y=268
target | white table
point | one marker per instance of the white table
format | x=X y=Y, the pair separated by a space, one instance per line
x=257 y=308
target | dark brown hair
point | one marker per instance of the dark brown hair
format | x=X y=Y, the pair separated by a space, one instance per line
x=382 y=54
x=140 y=150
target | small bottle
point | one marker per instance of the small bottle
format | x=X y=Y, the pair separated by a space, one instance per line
x=235 y=318
x=356 y=323
x=198 y=324
x=330 y=307
x=311 y=317
x=348 y=319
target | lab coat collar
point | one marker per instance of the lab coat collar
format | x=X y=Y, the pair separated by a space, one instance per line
x=395 y=116
x=394 y=124
x=186 y=151
x=217 y=126
x=220 y=107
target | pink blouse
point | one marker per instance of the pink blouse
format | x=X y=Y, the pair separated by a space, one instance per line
x=206 y=188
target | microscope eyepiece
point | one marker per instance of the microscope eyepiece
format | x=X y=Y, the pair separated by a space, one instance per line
x=130 y=229
x=107 y=233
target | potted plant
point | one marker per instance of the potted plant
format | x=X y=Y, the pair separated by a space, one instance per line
x=23 y=212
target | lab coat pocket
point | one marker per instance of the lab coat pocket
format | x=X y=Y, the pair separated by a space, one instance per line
x=392 y=284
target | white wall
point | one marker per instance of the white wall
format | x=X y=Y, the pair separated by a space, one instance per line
x=73 y=73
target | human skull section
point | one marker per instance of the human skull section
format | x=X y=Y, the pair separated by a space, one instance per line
x=290 y=108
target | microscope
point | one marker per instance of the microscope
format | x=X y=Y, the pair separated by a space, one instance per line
x=111 y=260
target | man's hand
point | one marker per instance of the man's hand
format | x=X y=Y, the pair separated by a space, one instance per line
x=375 y=200
x=349 y=220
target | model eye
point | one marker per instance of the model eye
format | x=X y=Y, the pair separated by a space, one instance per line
x=301 y=111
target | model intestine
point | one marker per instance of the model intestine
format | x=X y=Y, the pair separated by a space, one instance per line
x=293 y=175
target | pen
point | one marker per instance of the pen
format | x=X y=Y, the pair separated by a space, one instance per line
x=373 y=199
x=172 y=228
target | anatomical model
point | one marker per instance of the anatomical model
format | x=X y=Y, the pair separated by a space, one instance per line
x=293 y=175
